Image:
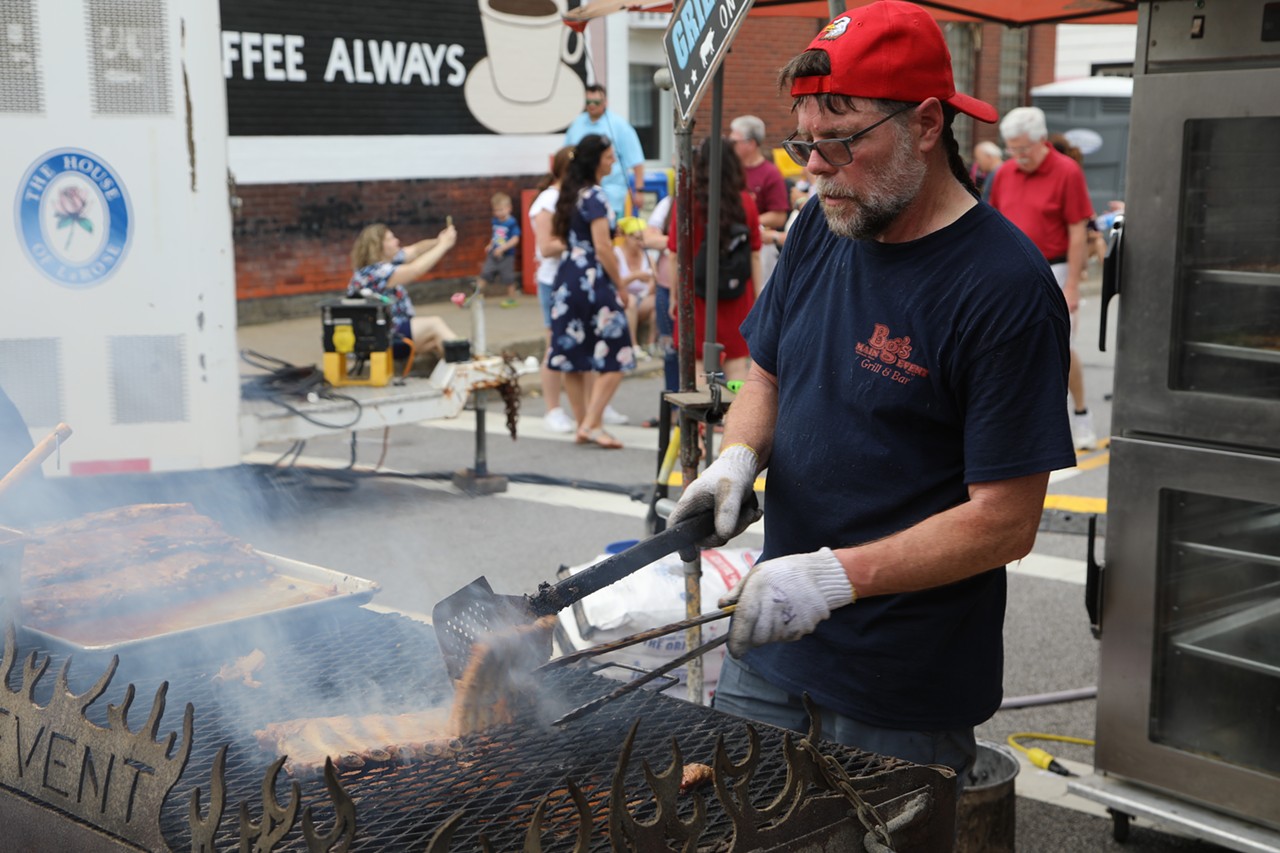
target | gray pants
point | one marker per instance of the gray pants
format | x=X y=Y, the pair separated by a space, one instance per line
x=744 y=694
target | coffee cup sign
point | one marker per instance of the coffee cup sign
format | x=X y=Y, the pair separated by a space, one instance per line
x=527 y=42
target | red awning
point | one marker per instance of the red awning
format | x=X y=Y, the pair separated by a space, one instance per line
x=1013 y=13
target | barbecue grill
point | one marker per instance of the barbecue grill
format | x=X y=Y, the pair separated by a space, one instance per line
x=606 y=781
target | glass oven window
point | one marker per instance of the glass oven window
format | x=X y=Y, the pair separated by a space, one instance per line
x=1228 y=278
x=1216 y=684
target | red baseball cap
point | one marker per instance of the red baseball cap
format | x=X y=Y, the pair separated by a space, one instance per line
x=889 y=50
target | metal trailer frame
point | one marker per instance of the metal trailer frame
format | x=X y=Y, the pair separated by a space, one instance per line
x=1126 y=800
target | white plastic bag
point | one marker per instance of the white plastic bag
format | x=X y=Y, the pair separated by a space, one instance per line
x=653 y=596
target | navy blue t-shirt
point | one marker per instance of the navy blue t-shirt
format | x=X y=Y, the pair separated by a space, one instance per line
x=905 y=372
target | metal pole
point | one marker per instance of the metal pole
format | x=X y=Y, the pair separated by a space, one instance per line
x=482 y=461
x=689 y=453
x=684 y=268
x=834 y=7
x=711 y=349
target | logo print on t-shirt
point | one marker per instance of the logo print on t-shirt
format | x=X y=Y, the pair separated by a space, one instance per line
x=888 y=356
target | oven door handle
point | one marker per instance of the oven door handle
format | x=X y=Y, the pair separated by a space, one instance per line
x=1112 y=269
x=1093 y=581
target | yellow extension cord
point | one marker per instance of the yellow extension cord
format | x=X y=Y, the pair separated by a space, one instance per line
x=1038 y=756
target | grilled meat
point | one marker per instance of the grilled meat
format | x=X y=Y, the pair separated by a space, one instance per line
x=498 y=679
x=694 y=775
x=100 y=542
x=243 y=669
x=142 y=560
x=354 y=741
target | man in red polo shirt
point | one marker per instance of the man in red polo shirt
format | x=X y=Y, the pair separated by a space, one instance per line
x=1044 y=193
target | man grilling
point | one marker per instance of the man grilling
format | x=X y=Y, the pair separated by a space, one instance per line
x=910 y=360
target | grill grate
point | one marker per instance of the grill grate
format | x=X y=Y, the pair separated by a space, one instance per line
x=21 y=81
x=128 y=56
x=496 y=778
x=148 y=378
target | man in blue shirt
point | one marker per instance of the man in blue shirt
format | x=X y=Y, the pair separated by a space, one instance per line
x=599 y=119
x=906 y=395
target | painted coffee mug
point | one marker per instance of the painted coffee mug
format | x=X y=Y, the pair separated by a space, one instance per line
x=527 y=41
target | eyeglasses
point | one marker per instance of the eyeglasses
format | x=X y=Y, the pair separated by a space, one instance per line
x=1019 y=150
x=594 y=102
x=836 y=152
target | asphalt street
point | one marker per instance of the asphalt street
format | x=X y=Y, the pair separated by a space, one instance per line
x=410 y=530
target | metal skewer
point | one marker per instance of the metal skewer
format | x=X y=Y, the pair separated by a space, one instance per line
x=641 y=637
x=641 y=681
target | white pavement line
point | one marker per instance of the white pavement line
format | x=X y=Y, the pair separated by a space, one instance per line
x=530 y=426
x=565 y=496
x=1036 y=784
x=1050 y=568
x=586 y=499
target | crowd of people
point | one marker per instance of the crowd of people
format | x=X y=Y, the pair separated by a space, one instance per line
x=591 y=331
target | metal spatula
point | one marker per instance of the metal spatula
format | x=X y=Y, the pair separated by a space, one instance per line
x=475 y=612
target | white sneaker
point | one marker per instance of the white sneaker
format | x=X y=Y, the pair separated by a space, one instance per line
x=1082 y=431
x=613 y=417
x=557 y=420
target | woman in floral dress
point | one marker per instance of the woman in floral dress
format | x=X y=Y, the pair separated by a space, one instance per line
x=588 y=312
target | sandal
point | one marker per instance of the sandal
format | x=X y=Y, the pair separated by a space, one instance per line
x=599 y=438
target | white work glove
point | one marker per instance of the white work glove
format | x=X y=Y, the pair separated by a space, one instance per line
x=724 y=487
x=782 y=600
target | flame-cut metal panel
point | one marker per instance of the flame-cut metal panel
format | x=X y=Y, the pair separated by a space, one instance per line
x=31 y=374
x=148 y=378
x=21 y=83
x=128 y=57
x=493 y=786
x=111 y=774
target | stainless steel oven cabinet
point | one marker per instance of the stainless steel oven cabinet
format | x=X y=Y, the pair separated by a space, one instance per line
x=1189 y=686
x=1200 y=268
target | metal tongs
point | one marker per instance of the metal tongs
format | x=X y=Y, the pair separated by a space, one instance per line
x=632 y=640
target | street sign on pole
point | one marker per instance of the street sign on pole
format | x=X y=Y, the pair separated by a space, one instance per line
x=696 y=41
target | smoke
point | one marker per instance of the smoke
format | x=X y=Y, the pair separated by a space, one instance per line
x=303 y=650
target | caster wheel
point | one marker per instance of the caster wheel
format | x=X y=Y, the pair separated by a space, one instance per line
x=1119 y=826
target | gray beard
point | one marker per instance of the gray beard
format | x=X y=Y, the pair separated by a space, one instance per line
x=871 y=219
x=877 y=207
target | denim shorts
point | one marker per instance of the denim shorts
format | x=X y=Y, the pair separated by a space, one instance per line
x=545 y=289
x=743 y=693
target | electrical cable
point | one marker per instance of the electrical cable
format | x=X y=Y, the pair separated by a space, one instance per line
x=353 y=475
x=386 y=443
x=283 y=379
x=1038 y=756
x=1054 y=698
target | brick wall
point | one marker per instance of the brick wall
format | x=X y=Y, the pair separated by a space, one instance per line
x=987 y=79
x=295 y=240
x=1041 y=56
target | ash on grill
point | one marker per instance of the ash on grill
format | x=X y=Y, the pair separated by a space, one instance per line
x=571 y=788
